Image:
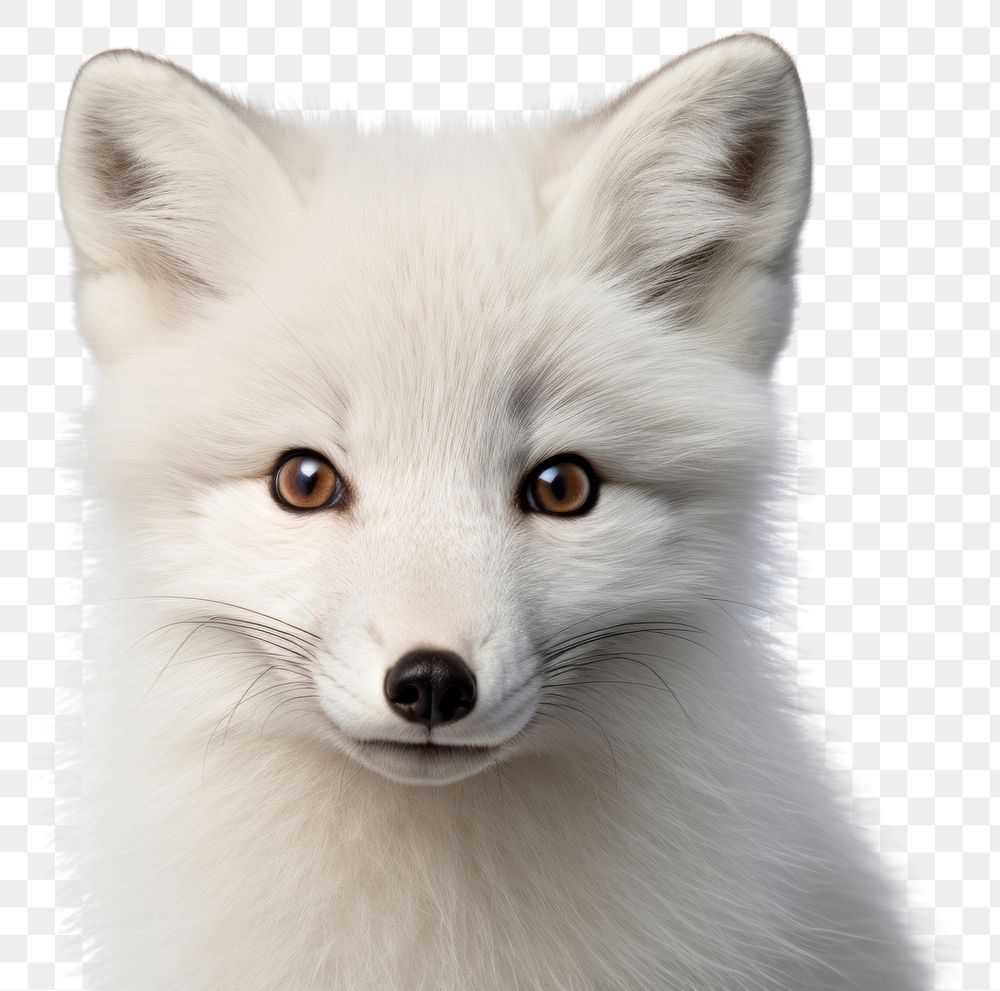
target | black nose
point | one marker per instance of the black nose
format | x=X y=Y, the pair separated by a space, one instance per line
x=431 y=687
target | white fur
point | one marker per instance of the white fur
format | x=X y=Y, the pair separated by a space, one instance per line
x=438 y=314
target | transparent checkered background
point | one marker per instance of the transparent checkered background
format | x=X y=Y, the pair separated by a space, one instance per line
x=891 y=375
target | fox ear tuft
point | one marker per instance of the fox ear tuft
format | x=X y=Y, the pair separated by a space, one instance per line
x=164 y=181
x=689 y=190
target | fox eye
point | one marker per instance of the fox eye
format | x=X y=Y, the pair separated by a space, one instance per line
x=561 y=486
x=306 y=480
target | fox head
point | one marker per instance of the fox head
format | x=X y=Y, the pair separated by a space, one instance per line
x=397 y=432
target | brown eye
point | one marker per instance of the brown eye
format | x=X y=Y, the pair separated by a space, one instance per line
x=306 y=480
x=564 y=485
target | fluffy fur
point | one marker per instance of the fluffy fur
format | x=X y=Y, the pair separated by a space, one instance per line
x=437 y=314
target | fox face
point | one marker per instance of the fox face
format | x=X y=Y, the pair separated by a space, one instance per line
x=397 y=433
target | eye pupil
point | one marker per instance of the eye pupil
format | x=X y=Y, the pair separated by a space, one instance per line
x=558 y=483
x=307 y=476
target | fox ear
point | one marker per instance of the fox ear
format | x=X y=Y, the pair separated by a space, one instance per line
x=689 y=190
x=167 y=187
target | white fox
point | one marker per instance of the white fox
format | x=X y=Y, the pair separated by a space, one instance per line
x=434 y=476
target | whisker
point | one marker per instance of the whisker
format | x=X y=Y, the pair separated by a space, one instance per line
x=251 y=631
x=160 y=673
x=294 y=649
x=294 y=638
x=639 y=684
x=277 y=690
x=739 y=626
x=627 y=655
x=643 y=604
x=257 y=632
x=611 y=632
x=294 y=698
x=232 y=713
x=217 y=602
x=568 y=705
x=282 y=688
x=559 y=661
x=631 y=626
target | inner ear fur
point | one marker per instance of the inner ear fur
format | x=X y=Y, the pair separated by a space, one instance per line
x=165 y=177
x=689 y=178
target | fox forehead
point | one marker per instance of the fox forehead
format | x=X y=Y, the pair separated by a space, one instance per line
x=461 y=356
x=428 y=190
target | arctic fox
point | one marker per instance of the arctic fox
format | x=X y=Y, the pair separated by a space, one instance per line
x=434 y=475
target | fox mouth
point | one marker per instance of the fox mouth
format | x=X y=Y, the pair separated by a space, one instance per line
x=426 y=762
x=438 y=755
x=428 y=749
